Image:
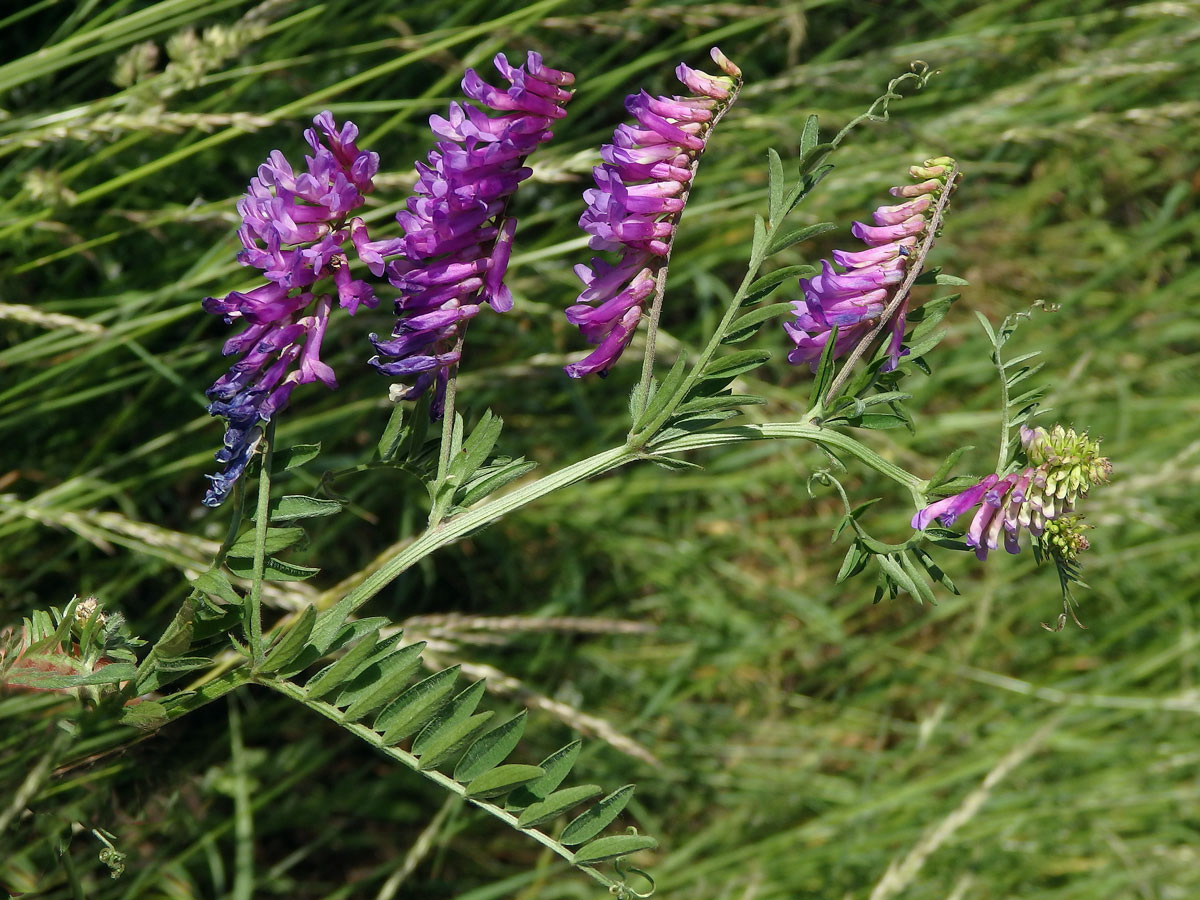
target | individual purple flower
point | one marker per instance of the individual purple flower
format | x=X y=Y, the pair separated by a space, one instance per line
x=457 y=237
x=640 y=193
x=294 y=228
x=854 y=300
x=1063 y=467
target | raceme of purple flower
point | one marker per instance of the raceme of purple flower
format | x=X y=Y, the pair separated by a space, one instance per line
x=640 y=193
x=1064 y=465
x=457 y=238
x=294 y=229
x=854 y=300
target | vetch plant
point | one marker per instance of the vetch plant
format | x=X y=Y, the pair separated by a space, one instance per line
x=860 y=331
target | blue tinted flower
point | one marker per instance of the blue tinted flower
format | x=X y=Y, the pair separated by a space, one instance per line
x=294 y=229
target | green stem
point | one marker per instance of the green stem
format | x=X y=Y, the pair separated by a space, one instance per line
x=640 y=438
x=444 y=451
x=261 y=522
x=643 y=388
x=457 y=527
x=1005 y=422
x=834 y=440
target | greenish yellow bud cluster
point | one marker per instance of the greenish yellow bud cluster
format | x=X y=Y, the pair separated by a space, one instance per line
x=1064 y=538
x=1070 y=463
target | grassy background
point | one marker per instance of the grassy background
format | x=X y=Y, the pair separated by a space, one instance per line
x=809 y=744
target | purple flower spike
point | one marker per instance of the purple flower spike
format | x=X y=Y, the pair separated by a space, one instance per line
x=458 y=238
x=294 y=228
x=641 y=190
x=853 y=300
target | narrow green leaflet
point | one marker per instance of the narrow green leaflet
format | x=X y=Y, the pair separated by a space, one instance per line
x=393 y=674
x=557 y=766
x=556 y=804
x=476 y=448
x=665 y=393
x=723 y=401
x=734 y=364
x=587 y=825
x=612 y=847
x=783 y=240
x=494 y=479
x=331 y=677
x=275 y=569
x=289 y=646
x=449 y=716
x=295 y=456
x=393 y=434
x=765 y=284
x=297 y=506
x=491 y=750
x=217 y=585
x=746 y=326
x=277 y=539
x=416 y=706
x=776 y=188
x=825 y=372
x=502 y=780
x=948 y=465
x=450 y=741
x=810 y=136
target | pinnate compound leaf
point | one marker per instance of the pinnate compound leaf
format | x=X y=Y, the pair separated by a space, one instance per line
x=556 y=804
x=288 y=647
x=450 y=741
x=295 y=456
x=588 y=824
x=502 y=780
x=332 y=676
x=612 y=847
x=557 y=766
x=491 y=750
x=393 y=674
x=416 y=706
x=448 y=716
